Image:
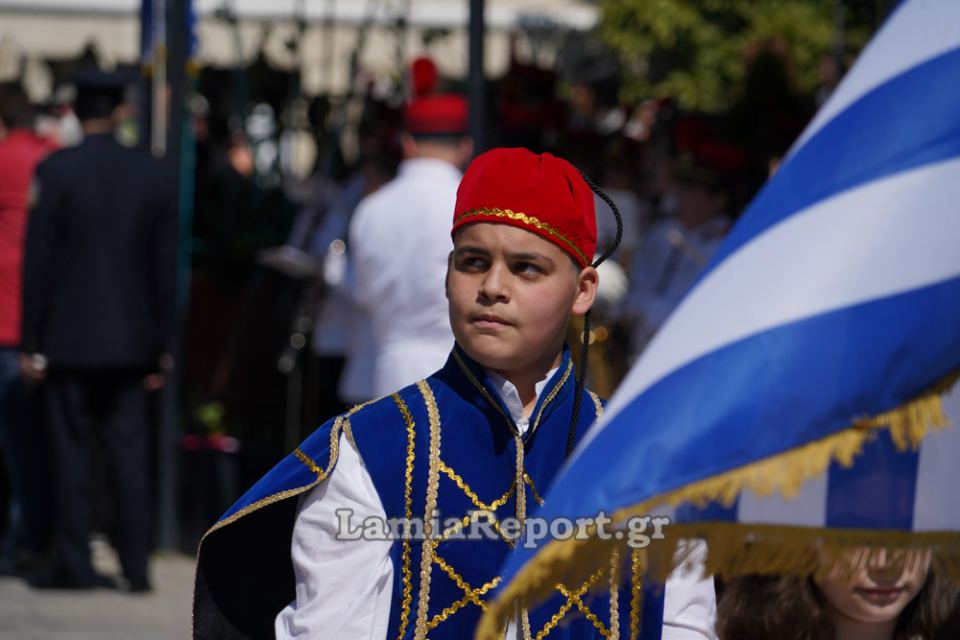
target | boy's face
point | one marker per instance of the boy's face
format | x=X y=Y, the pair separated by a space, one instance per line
x=511 y=295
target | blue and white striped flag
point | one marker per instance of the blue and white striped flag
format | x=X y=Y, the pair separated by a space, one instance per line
x=822 y=334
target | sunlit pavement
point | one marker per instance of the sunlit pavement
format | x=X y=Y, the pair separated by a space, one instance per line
x=102 y=614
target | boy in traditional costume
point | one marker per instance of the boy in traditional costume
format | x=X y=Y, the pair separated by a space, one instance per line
x=486 y=433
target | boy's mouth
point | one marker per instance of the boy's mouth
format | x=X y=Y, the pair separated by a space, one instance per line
x=489 y=320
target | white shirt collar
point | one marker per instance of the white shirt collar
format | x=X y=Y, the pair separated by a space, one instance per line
x=511 y=397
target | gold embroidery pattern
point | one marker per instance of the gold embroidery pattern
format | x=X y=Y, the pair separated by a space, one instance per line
x=597 y=405
x=470 y=594
x=521 y=506
x=573 y=598
x=533 y=488
x=553 y=394
x=408 y=512
x=473 y=517
x=307 y=460
x=433 y=479
x=525 y=623
x=474 y=498
x=635 y=592
x=528 y=220
x=614 y=595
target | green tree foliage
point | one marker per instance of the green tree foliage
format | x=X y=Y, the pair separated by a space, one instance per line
x=695 y=51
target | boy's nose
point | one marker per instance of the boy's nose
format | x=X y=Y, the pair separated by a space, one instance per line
x=494 y=286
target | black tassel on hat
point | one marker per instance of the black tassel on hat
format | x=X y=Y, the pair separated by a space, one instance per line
x=582 y=366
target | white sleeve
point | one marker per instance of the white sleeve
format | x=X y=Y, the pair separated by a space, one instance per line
x=343 y=587
x=690 y=600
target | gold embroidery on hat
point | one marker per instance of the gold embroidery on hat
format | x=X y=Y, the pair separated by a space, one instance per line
x=527 y=220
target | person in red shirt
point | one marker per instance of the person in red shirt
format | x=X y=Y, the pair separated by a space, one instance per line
x=28 y=535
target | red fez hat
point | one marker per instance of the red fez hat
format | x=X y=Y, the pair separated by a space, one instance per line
x=539 y=193
x=440 y=115
x=423 y=76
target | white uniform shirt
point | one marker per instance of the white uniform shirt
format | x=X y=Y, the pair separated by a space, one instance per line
x=344 y=587
x=399 y=244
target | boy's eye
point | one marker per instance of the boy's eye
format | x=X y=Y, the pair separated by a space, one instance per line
x=527 y=268
x=471 y=262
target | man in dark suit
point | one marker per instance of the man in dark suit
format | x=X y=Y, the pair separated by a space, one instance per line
x=98 y=297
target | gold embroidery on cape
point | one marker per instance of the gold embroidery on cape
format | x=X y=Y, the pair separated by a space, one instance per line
x=550 y=396
x=615 y=595
x=475 y=516
x=521 y=503
x=635 y=593
x=573 y=599
x=474 y=498
x=408 y=513
x=470 y=594
x=433 y=479
x=533 y=488
x=528 y=220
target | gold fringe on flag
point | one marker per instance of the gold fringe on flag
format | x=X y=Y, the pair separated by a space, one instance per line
x=736 y=549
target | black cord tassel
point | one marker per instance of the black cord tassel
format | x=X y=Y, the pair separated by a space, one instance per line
x=582 y=366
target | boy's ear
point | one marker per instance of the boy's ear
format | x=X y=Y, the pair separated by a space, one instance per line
x=587 y=282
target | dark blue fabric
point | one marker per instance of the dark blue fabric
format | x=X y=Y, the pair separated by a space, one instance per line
x=651 y=623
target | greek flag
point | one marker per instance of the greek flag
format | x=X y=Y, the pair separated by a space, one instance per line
x=811 y=357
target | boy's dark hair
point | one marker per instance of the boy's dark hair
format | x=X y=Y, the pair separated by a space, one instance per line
x=15 y=109
x=791 y=608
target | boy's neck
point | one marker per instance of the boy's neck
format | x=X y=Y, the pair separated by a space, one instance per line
x=850 y=629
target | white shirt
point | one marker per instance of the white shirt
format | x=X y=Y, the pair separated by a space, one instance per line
x=399 y=244
x=344 y=588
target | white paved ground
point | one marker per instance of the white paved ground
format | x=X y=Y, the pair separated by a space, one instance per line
x=102 y=614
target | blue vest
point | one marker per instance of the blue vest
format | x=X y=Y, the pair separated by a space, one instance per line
x=443 y=452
